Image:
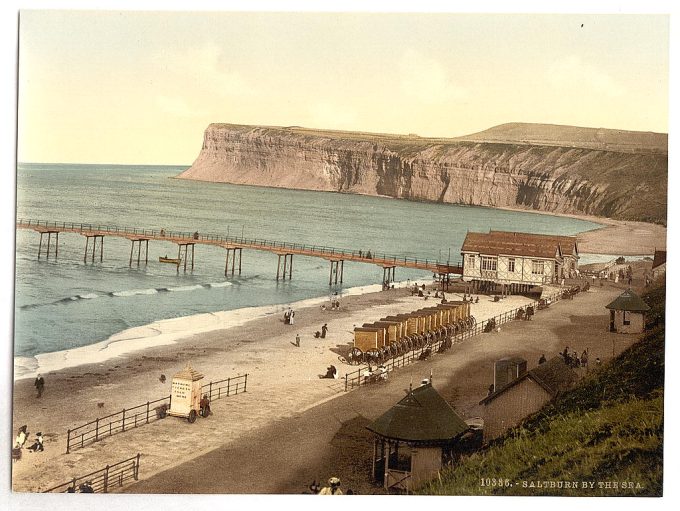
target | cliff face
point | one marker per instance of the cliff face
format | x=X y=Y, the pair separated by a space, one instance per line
x=553 y=178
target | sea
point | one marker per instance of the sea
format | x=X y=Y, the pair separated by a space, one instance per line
x=68 y=311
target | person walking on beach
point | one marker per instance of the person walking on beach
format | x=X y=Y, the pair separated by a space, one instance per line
x=291 y=318
x=324 y=329
x=39 y=385
x=297 y=340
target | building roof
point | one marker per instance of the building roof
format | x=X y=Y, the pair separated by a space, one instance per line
x=659 y=258
x=499 y=243
x=568 y=244
x=422 y=416
x=189 y=373
x=628 y=301
x=554 y=376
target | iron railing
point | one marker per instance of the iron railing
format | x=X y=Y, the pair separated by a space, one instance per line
x=254 y=243
x=103 y=480
x=130 y=418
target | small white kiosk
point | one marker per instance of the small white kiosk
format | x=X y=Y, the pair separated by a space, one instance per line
x=186 y=393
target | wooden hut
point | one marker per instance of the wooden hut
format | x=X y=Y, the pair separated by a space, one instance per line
x=507 y=369
x=392 y=330
x=412 y=437
x=627 y=313
x=369 y=338
x=522 y=396
x=401 y=325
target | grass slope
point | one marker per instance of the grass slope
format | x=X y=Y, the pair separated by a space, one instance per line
x=608 y=429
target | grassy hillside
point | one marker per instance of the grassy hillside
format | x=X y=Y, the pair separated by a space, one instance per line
x=607 y=429
x=594 y=138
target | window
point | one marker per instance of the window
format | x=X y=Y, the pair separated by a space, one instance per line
x=537 y=267
x=511 y=265
x=471 y=260
x=626 y=318
x=489 y=263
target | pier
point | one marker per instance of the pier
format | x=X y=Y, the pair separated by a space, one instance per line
x=234 y=245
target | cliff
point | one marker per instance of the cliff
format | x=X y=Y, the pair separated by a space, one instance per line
x=557 y=169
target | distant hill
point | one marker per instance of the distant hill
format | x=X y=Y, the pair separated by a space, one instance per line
x=558 y=169
x=573 y=136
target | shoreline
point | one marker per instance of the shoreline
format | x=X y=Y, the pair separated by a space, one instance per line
x=166 y=332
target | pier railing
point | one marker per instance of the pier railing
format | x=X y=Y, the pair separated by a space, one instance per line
x=130 y=418
x=359 y=377
x=367 y=256
x=103 y=480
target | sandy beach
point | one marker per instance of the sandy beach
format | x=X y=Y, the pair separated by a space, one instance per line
x=283 y=380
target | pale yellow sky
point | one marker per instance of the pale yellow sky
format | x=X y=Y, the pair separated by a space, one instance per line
x=140 y=87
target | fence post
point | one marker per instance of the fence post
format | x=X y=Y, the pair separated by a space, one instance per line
x=137 y=467
x=106 y=479
x=68 y=441
x=210 y=390
x=147 y=412
x=228 y=385
x=345 y=382
x=96 y=430
x=245 y=383
x=123 y=419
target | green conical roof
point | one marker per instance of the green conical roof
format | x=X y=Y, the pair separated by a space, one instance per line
x=422 y=416
x=628 y=301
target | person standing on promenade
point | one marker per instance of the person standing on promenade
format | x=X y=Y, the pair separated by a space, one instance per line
x=297 y=340
x=39 y=385
x=324 y=330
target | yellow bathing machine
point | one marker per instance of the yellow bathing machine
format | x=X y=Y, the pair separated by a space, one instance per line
x=397 y=334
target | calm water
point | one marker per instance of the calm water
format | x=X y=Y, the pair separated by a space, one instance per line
x=64 y=303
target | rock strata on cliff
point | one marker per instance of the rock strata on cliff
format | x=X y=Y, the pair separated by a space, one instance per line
x=558 y=176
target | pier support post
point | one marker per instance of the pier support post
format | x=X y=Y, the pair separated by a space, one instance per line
x=139 y=250
x=388 y=274
x=287 y=266
x=49 y=244
x=97 y=242
x=233 y=253
x=337 y=267
x=185 y=246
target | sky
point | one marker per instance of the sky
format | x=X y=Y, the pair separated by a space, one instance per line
x=141 y=87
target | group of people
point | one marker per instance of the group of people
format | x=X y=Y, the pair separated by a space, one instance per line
x=573 y=360
x=465 y=298
x=323 y=332
x=22 y=438
x=367 y=254
x=289 y=317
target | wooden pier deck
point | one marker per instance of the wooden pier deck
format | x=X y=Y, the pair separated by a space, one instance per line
x=233 y=244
